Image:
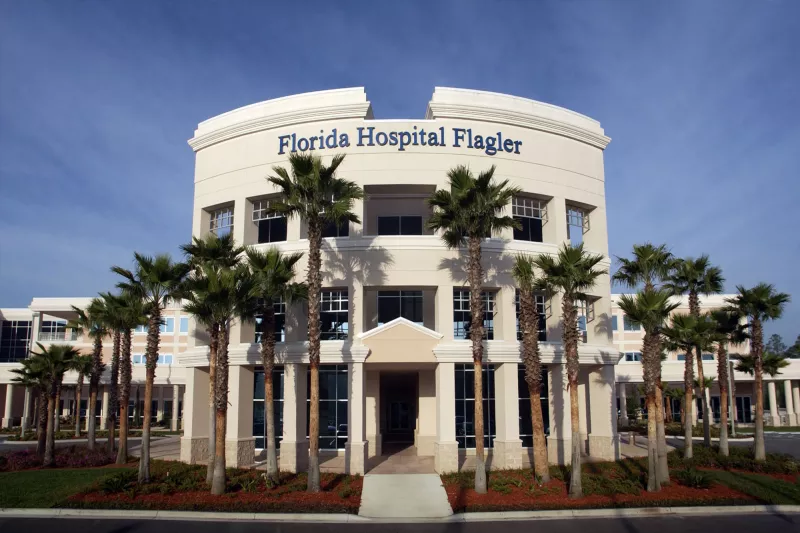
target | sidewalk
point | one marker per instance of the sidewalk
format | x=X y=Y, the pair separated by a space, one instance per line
x=393 y=496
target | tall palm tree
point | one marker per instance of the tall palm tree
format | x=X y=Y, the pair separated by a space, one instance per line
x=466 y=214
x=695 y=277
x=525 y=275
x=757 y=305
x=202 y=254
x=81 y=364
x=156 y=281
x=92 y=321
x=31 y=374
x=131 y=314
x=651 y=308
x=115 y=322
x=271 y=273
x=312 y=192
x=572 y=272
x=650 y=266
x=727 y=330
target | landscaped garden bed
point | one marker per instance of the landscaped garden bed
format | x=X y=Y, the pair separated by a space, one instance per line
x=708 y=479
x=675 y=429
x=100 y=434
x=66 y=457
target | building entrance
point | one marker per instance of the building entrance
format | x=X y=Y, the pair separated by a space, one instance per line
x=398 y=410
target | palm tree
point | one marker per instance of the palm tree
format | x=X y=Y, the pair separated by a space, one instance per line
x=115 y=322
x=31 y=374
x=131 y=314
x=209 y=252
x=695 y=277
x=468 y=213
x=651 y=308
x=271 y=273
x=757 y=305
x=673 y=393
x=81 y=364
x=92 y=321
x=314 y=194
x=572 y=272
x=525 y=275
x=650 y=266
x=727 y=330
x=156 y=281
x=771 y=364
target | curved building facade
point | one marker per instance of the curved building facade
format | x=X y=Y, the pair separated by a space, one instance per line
x=396 y=359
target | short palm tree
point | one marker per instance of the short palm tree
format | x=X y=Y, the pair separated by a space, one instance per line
x=209 y=253
x=525 y=275
x=757 y=305
x=81 y=364
x=312 y=192
x=92 y=321
x=115 y=322
x=695 y=277
x=471 y=210
x=131 y=314
x=572 y=272
x=771 y=364
x=651 y=308
x=672 y=394
x=727 y=330
x=155 y=281
x=31 y=374
x=271 y=274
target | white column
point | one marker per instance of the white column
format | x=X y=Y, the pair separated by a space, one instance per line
x=623 y=404
x=176 y=390
x=160 y=408
x=356 y=447
x=373 y=416
x=796 y=400
x=773 y=404
x=7 y=413
x=240 y=444
x=603 y=442
x=426 y=423
x=194 y=443
x=507 y=452
x=446 y=447
x=559 y=443
x=26 y=410
x=787 y=392
x=104 y=408
x=294 y=446
x=444 y=313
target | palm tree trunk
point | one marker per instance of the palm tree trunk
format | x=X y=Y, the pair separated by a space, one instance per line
x=661 y=435
x=722 y=372
x=153 y=325
x=41 y=424
x=94 y=386
x=476 y=336
x=213 y=352
x=50 y=446
x=113 y=399
x=218 y=483
x=651 y=366
x=694 y=310
x=90 y=414
x=756 y=350
x=57 y=413
x=125 y=394
x=529 y=323
x=78 y=394
x=688 y=387
x=653 y=473
x=268 y=361
x=314 y=288
x=570 y=339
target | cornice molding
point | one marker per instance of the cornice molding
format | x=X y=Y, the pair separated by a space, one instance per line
x=439 y=110
x=510 y=352
x=290 y=352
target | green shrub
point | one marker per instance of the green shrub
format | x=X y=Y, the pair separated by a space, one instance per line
x=119 y=482
x=609 y=485
x=693 y=478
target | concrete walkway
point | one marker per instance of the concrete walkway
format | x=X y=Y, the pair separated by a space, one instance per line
x=404 y=496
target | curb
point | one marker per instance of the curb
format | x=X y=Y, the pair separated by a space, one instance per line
x=349 y=518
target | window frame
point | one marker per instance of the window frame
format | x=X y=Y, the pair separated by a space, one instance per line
x=222 y=214
x=461 y=305
x=524 y=209
x=413 y=295
x=400 y=225
x=541 y=306
x=342 y=304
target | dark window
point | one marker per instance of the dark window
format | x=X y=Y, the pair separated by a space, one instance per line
x=332 y=406
x=271 y=226
x=259 y=418
x=280 y=323
x=465 y=405
x=394 y=304
x=14 y=340
x=462 y=318
x=336 y=230
x=542 y=316
x=334 y=315
x=400 y=225
x=631 y=357
x=525 y=421
x=630 y=325
x=614 y=324
x=530 y=214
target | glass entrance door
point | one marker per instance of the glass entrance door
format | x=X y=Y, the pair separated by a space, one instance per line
x=743 y=409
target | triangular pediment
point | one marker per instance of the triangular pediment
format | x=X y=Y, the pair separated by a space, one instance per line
x=400 y=341
x=401 y=323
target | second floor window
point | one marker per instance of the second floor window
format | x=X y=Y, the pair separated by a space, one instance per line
x=222 y=221
x=53 y=330
x=400 y=225
x=279 y=308
x=577 y=224
x=271 y=226
x=14 y=340
x=334 y=315
x=633 y=357
x=394 y=304
x=462 y=317
x=167 y=325
x=630 y=325
x=531 y=214
x=540 y=309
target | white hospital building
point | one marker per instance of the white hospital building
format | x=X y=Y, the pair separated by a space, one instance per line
x=396 y=363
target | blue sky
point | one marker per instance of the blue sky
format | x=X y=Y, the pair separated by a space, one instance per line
x=98 y=98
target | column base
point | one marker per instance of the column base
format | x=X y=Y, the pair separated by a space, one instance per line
x=559 y=451
x=445 y=456
x=604 y=447
x=8 y=423
x=375 y=442
x=293 y=456
x=507 y=454
x=624 y=421
x=194 y=449
x=775 y=421
x=240 y=452
x=355 y=457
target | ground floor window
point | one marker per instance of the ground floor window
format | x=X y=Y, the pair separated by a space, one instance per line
x=465 y=406
x=332 y=406
x=714 y=408
x=743 y=410
x=525 y=423
x=259 y=414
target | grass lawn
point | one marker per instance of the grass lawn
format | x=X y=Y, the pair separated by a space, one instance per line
x=766 y=489
x=46 y=488
x=787 y=429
